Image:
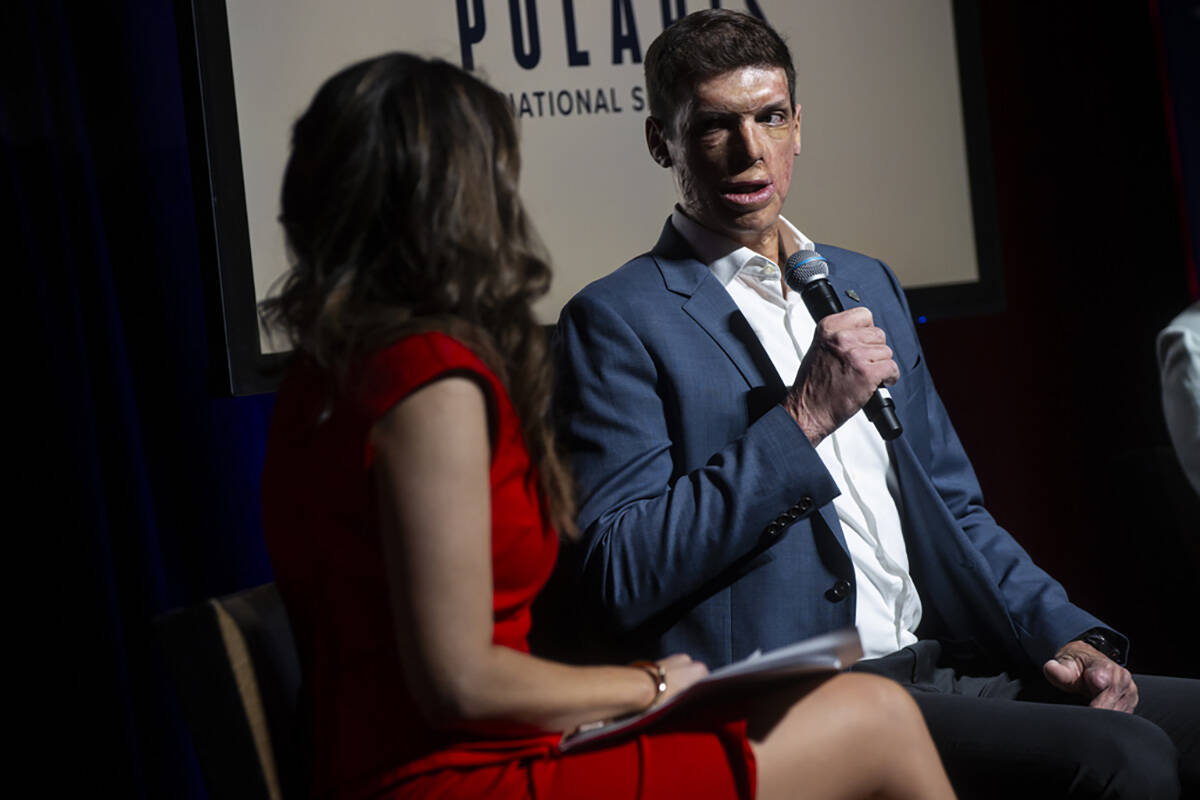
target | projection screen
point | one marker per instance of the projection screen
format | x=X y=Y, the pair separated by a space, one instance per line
x=895 y=161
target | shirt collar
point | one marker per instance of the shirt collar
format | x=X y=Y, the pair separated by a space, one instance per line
x=725 y=257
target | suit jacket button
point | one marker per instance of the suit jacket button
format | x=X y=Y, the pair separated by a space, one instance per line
x=804 y=505
x=838 y=591
x=773 y=529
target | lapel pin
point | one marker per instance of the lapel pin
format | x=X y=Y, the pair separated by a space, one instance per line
x=853 y=295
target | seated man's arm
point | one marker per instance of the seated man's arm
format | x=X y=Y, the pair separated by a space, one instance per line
x=656 y=531
x=1044 y=617
x=1037 y=603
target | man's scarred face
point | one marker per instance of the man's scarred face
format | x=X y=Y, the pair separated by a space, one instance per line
x=732 y=153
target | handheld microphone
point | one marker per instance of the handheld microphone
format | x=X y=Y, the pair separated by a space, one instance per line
x=807 y=272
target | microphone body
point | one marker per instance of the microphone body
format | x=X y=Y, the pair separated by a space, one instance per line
x=807 y=272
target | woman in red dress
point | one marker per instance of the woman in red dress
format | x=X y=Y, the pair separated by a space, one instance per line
x=412 y=494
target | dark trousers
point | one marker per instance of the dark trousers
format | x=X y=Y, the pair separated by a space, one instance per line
x=1005 y=737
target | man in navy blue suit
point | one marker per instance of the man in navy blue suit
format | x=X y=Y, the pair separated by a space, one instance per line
x=733 y=496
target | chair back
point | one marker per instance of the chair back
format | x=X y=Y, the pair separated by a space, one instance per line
x=235 y=666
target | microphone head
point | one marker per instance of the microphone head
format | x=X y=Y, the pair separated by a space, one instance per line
x=803 y=267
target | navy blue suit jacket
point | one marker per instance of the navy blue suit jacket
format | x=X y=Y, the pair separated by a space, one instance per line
x=706 y=514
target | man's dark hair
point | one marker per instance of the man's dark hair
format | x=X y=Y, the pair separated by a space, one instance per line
x=704 y=45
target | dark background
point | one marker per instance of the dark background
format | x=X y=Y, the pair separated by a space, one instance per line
x=136 y=489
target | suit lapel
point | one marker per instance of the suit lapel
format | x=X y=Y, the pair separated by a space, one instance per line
x=711 y=307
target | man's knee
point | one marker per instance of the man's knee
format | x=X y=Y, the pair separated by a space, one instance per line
x=1123 y=756
x=1012 y=748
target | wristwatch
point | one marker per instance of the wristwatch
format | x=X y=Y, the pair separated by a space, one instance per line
x=1102 y=640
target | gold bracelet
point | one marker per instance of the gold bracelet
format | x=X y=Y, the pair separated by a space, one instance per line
x=657 y=674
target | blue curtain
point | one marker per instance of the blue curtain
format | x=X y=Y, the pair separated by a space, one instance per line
x=143 y=483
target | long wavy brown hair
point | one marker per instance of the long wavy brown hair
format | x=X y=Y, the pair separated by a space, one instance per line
x=401 y=213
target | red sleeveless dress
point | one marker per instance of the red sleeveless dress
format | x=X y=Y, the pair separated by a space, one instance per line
x=368 y=736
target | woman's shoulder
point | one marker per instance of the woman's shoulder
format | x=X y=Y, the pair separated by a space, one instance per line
x=403 y=366
x=424 y=352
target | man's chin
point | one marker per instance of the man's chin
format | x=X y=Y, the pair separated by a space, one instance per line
x=740 y=225
x=753 y=225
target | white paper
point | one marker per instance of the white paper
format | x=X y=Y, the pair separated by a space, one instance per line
x=827 y=653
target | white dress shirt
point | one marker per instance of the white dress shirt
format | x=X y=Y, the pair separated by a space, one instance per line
x=887 y=608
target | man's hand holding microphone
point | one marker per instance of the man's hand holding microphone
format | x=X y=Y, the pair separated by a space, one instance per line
x=847 y=363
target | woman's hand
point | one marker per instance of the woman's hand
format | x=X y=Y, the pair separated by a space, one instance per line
x=681 y=673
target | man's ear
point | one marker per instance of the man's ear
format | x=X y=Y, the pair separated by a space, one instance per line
x=656 y=142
